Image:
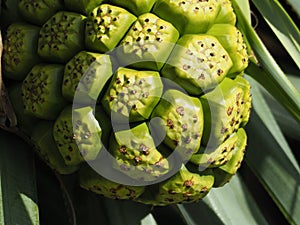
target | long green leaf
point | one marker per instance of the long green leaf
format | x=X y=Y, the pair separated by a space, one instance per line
x=18 y=199
x=272 y=161
x=231 y=204
x=268 y=73
x=287 y=123
x=264 y=112
x=282 y=25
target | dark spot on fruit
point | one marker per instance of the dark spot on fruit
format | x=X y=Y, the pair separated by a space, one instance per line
x=68 y=158
x=180 y=110
x=224 y=130
x=137 y=159
x=224 y=150
x=171 y=192
x=220 y=71
x=144 y=149
x=123 y=149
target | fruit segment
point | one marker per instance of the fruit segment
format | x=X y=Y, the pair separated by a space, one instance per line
x=77 y=135
x=185 y=186
x=91 y=180
x=41 y=91
x=224 y=107
x=86 y=74
x=246 y=101
x=38 y=12
x=105 y=27
x=61 y=37
x=132 y=95
x=198 y=63
x=188 y=16
x=148 y=43
x=45 y=145
x=20 y=50
x=224 y=173
x=137 y=7
x=179 y=121
x=226 y=14
x=232 y=40
x=208 y=157
x=136 y=154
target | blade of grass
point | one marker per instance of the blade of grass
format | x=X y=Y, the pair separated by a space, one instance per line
x=282 y=25
x=18 y=198
x=268 y=73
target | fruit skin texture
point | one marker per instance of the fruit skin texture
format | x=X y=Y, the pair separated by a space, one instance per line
x=155 y=85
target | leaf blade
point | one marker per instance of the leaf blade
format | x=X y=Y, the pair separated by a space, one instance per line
x=18 y=198
x=282 y=25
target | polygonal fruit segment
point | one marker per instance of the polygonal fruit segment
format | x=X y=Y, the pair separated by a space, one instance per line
x=37 y=11
x=224 y=173
x=148 y=43
x=61 y=37
x=82 y=6
x=132 y=95
x=137 y=7
x=41 y=91
x=246 y=100
x=226 y=13
x=180 y=122
x=91 y=180
x=136 y=154
x=45 y=145
x=208 y=157
x=197 y=63
x=19 y=50
x=86 y=74
x=24 y=122
x=224 y=107
x=188 y=16
x=184 y=186
x=232 y=40
x=106 y=25
x=77 y=135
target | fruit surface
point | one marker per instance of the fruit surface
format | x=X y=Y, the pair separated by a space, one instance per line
x=149 y=91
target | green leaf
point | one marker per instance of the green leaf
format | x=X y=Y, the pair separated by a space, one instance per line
x=273 y=163
x=287 y=123
x=148 y=220
x=18 y=199
x=231 y=204
x=282 y=25
x=264 y=112
x=245 y=8
x=267 y=72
